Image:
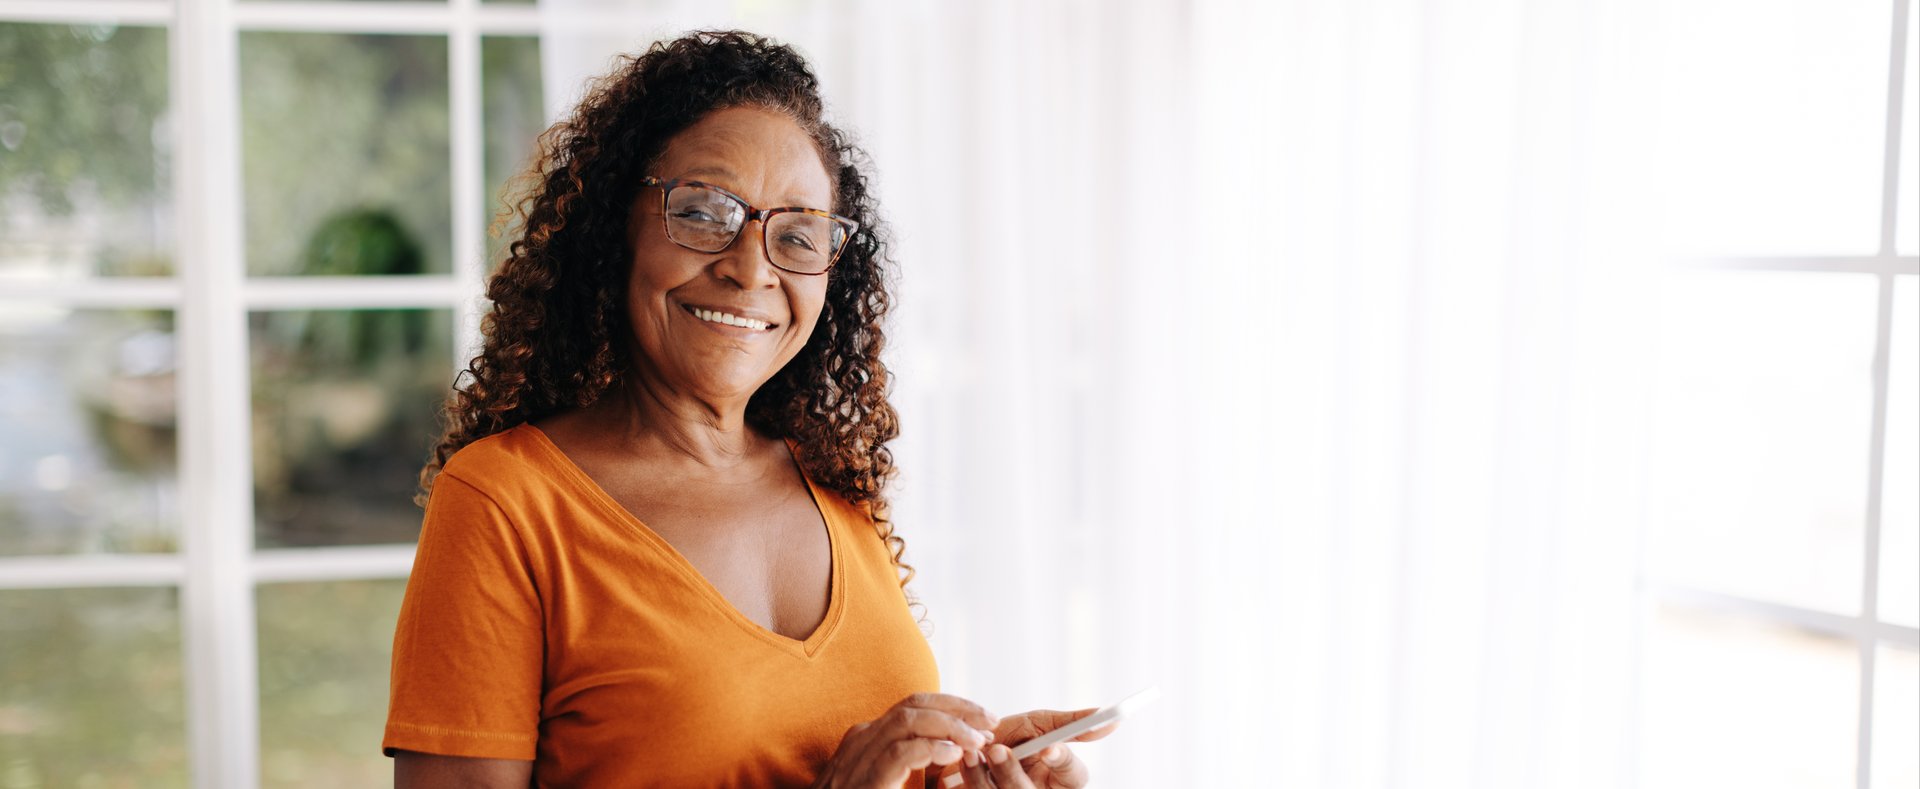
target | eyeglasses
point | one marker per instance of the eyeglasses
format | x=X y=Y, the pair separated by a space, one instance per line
x=706 y=218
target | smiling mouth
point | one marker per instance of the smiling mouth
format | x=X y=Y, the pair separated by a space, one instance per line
x=729 y=319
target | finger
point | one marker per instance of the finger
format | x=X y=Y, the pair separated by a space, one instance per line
x=1006 y=769
x=856 y=743
x=974 y=714
x=1058 y=768
x=973 y=769
x=1028 y=725
x=1094 y=734
x=905 y=722
x=904 y=756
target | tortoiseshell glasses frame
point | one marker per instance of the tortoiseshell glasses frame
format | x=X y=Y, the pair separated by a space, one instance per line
x=796 y=252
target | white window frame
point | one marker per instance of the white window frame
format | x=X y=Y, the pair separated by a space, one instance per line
x=1865 y=630
x=217 y=569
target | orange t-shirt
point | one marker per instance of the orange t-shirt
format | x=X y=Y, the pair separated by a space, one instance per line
x=543 y=621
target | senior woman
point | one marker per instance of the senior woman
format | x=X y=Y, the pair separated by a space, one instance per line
x=656 y=549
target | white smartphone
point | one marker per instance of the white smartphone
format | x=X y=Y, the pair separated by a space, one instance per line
x=1100 y=717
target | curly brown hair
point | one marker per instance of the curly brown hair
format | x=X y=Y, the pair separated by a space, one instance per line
x=557 y=336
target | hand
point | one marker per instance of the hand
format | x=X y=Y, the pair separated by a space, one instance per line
x=923 y=730
x=1053 y=768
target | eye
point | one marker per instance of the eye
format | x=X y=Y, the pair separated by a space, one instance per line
x=800 y=240
x=696 y=214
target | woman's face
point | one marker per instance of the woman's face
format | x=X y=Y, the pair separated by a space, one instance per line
x=765 y=158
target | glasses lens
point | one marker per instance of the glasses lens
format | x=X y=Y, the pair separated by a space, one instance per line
x=803 y=242
x=702 y=219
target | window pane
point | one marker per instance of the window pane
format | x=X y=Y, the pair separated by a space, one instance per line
x=1772 y=123
x=87 y=411
x=324 y=650
x=511 y=95
x=345 y=408
x=344 y=131
x=1896 y=719
x=1763 y=410
x=1900 y=485
x=84 y=185
x=1735 y=703
x=90 y=688
x=1906 y=237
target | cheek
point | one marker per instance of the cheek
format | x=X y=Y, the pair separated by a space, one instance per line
x=643 y=296
x=809 y=305
x=652 y=273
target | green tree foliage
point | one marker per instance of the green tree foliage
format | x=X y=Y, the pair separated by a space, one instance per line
x=339 y=123
x=324 y=652
x=91 y=692
x=354 y=342
x=82 y=107
x=512 y=96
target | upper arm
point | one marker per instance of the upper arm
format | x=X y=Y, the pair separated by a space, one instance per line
x=414 y=770
x=468 y=650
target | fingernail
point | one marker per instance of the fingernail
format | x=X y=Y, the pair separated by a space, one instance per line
x=998 y=754
x=973 y=758
x=985 y=735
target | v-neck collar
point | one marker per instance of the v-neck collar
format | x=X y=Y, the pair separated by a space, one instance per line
x=836 y=585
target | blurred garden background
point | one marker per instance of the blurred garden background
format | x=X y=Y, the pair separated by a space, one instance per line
x=346 y=175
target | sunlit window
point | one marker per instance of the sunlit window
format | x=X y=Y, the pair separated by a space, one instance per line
x=1783 y=445
x=347 y=240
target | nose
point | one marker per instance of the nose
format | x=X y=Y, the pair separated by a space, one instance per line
x=745 y=261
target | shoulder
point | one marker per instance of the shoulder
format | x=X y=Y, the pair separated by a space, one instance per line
x=485 y=499
x=857 y=516
x=507 y=465
x=837 y=501
x=830 y=480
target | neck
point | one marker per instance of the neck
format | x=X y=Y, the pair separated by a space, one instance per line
x=649 y=417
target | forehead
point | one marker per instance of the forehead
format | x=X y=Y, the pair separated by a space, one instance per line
x=760 y=154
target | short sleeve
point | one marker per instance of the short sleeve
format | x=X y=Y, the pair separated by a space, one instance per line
x=468 y=649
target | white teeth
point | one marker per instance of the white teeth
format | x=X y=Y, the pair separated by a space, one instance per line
x=730 y=319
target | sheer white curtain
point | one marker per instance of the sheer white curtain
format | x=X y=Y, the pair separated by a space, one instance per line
x=1431 y=493
x=1280 y=354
